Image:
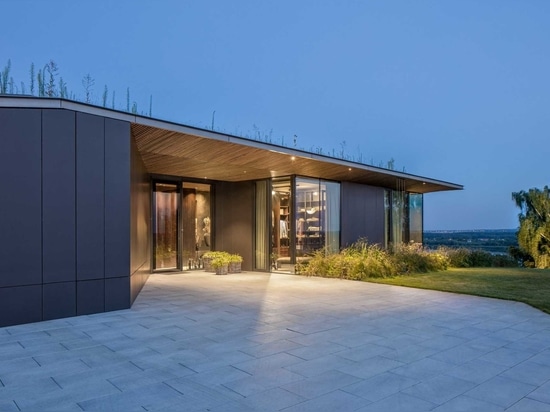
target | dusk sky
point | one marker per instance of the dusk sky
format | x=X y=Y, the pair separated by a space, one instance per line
x=453 y=90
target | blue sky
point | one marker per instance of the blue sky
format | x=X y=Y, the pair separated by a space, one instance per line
x=453 y=90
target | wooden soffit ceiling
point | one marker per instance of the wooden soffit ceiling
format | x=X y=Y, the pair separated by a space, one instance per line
x=202 y=154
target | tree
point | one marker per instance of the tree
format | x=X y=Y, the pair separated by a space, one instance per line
x=534 y=224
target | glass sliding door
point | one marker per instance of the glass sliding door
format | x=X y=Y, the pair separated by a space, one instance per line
x=281 y=227
x=310 y=235
x=166 y=199
x=317 y=216
x=398 y=218
x=196 y=223
x=331 y=211
x=415 y=218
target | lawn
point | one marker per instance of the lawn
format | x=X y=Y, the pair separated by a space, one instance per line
x=531 y=286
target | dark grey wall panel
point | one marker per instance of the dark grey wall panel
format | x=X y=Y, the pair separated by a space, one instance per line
x=59 y=300
x=234 y=217
x=117 y=293
x=20 y=305
x=90 y=297
x=140 y=232
x=90 y=204
x=362 y=213
x=117 y=198
x=66 y=220
x=20 y=207
x=58 y=196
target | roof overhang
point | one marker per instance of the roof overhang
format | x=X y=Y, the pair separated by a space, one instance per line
x=169 y=148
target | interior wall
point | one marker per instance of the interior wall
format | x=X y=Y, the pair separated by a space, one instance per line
x=234 y=220
x=140 y=227
x=65 y=221
x=362 y=211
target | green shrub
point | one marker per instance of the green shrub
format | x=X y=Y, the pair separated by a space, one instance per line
x=465 y=258
x=413 y=258
x=361 y=261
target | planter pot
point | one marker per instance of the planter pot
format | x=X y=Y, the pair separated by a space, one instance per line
x=207 y=263
x=222 y=270
x=235 y=267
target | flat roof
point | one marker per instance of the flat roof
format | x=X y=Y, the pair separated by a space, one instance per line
x=171 y=148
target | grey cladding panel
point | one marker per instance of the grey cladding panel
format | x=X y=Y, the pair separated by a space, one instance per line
x=234 y=212
x=90 y=204
x=20 y=305
x=362 y=213
x=20 y=208
x=90 y=297
x=59 y=300
x=117 y=293
x=117 y=198
x=58 y=196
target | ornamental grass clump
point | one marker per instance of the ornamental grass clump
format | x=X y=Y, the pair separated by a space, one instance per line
x=356 y=262
x=413 y=258
x=361 y=261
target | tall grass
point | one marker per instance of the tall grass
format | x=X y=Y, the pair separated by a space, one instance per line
x=361 y=261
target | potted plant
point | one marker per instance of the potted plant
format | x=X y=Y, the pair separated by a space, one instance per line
x=235 y=262
x=207 y=259
x=221 y=263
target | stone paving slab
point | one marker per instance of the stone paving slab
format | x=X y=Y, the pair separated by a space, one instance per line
x=268 y=342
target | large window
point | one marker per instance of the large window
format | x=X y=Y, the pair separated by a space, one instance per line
x=317 y=217
x=398 y=217
x=281 y=223
x=196 y=229
x=182 y=230
x=165 y=225
x=415 y=217
x=403 y=217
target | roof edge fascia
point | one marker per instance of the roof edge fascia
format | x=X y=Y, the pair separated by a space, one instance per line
x=17 y=101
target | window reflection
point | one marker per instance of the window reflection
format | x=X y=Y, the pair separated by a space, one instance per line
x=166 y=225
x=415 y=217
x=317 y=216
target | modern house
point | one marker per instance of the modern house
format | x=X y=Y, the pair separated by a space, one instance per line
x=95 y=200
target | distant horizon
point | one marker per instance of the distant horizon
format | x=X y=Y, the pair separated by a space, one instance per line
x=470 y=230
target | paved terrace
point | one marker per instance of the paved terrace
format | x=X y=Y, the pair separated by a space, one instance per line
x=200 y=342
